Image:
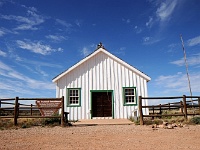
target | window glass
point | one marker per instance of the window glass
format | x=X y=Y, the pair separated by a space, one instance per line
x=129 y=95
x=73 y=97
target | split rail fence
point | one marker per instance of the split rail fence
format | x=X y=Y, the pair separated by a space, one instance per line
x=13 y=105
x=183 y=105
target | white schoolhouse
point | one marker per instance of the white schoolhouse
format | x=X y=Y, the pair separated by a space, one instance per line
x=102 y=86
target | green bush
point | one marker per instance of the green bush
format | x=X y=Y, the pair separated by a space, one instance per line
x=135 y=120
x=195 y=120
x=52 y=121
x=24 y=126
x=131 y=118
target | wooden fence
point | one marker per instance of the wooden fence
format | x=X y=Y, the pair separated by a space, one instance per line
x=183 y=105
x=17 y=107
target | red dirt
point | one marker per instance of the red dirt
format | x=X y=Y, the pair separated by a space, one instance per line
x=101 y=137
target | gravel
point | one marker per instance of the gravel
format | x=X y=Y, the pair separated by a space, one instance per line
x=101 y=137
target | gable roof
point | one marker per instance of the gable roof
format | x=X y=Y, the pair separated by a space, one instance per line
x=98 y=50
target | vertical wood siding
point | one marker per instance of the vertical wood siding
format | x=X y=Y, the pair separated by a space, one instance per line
x=101 y=72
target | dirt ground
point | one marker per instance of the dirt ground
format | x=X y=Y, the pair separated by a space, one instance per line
x=101 y=137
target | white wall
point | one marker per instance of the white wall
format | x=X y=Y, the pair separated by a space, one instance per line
x=101 y=73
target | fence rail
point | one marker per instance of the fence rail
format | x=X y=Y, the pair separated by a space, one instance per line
x=183 y=105
x=17 y=107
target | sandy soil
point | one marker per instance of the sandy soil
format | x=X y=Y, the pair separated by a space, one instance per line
x=101 y=137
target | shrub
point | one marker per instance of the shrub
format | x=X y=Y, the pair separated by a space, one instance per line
x=148 y=121
x=157 y=121
x=131 y=118
x=195 y=120
x=24 y=126
x=135 y=120
x=52 y=121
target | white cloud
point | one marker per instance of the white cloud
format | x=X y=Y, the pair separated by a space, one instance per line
x=126 y=20
x=2 y=53
x=121 y=51
x=178 y=83
x=37 y=47
x=63 y=23
x=30 y=8
x=11 y=53
x=26 y=23
x=2 y=33
x=150 y=22
x=56 y=38
x=86 y=50
x=43 y=73
x=12 y=91
x=26 y=82
x=4 y=67
x=192 y=61
x=194 y=41
x=179 y=62
x=146 y=39
x=173 y=48
x=78 y=22
x=166 y=9
x=137 y=29
x=150 y=40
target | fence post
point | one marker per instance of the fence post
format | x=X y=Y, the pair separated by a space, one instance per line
x=199 y=104
x=62 y=112
x=153 y=113
x=169 y=106
x=16 y=110
x=185 y=107
x=140 y=111
x=181 y=106
x=0 y=107
x=160 y=111
x=31 y=109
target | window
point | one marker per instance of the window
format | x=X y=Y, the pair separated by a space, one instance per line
x=130 y=96
x=74 y=97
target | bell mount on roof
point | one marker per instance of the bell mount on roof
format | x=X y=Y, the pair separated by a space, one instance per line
x=100 y=45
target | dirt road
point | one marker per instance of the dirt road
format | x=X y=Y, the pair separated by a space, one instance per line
x=101 y=137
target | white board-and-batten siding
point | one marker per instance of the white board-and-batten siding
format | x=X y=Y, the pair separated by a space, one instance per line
x=101 y=72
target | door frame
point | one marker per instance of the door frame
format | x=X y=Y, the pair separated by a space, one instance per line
x=112 y=94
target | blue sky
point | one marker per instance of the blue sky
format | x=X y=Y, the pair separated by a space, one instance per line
x=40 y=39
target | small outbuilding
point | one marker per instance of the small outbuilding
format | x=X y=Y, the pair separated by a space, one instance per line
x=102 y=86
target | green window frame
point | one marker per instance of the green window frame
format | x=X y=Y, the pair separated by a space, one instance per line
x=73 y=97
x=129 y=96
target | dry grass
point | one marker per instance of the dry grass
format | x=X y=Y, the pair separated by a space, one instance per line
x=27 y=123
x=191 y=120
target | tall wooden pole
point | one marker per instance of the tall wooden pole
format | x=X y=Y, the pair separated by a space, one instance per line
x=186 y=65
